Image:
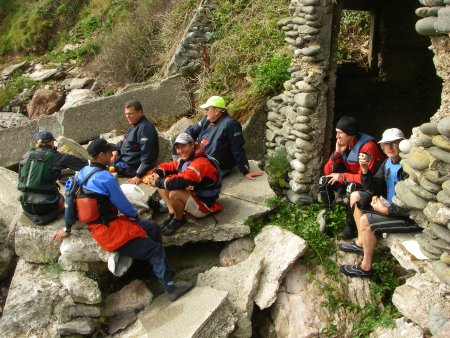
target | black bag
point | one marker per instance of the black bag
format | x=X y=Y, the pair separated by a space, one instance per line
x=72 y=189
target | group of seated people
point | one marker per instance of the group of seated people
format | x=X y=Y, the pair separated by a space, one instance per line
x=357 y=168
x=189 y=185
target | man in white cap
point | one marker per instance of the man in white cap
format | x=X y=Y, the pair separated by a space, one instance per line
x=190 y=184
x=221 y=136
x=374 y=210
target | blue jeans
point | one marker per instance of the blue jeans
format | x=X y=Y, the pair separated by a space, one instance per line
x=150 y=249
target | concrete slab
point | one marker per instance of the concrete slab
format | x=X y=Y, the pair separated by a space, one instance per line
x=203 y=312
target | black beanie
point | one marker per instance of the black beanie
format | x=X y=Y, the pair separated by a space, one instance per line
x=348 y=125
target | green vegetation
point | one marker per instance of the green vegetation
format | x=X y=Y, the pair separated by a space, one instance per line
x=277 y=167
x=322 y=251
x=53 y=266
x=15 y=87
x=353 y=38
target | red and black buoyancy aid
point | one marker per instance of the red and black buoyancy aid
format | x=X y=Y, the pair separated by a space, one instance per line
x=94 y=208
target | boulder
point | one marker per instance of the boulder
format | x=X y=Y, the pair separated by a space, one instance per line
x=415 y=298
x=44 y=102
x=31 y=306
x=10 y=69
x=81 y=288
x=78 y=97
x=9 y=204
x=444 y=331
x=130 y=298
x=241 y=283
x=278 y=249
x=202 y=312
x=81 y=247
x=42 y=74
x=121 y=321
x=69 y=146
x=236 y=251
x=8 y=120
x=403 y=329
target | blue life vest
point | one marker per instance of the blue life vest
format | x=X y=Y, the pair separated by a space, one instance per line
x=392 y=175
x=352 y=156
x=206 y=191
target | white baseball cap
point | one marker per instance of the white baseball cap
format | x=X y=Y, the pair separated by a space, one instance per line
x=391 y=135
x=183 y=138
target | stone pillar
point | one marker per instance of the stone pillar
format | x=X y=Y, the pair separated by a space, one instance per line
x=297 y=118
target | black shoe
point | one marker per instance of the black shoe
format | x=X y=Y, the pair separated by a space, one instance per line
x=166 y=221
x=347 y=233
x=351 y=247
x=173 y=225
x=355 y=271
x=177 y=290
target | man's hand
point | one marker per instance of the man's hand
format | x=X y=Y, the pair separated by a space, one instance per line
x=115 y=156
x=152 y=179
x=364 y=162
x=334 y=178
x=378 y=206
x=58 y=235
x=135 y=180
x=340 y=148
x=252 y=174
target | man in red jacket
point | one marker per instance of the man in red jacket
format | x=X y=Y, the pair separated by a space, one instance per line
x=343 y=172
x=191 y=184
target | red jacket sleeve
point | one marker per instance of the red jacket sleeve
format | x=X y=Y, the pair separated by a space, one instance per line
x=334 y=158
x=167 y=168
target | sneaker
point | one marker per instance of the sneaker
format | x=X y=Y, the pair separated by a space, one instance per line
x=355 y=271
x=347 y=233
x=177 y=290
x=119 y=264
x=351 y=247
x=173 y=225
x=166 y=221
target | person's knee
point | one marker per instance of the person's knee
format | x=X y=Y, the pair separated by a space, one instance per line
x=354 y=197
x=323 y=181
x=364 y=222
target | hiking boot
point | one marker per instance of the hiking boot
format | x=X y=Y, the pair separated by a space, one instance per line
x=166 y=221
x=177 y=290
x=351 y=247
x=173 y=225
x=347 y=233
x=355 y=271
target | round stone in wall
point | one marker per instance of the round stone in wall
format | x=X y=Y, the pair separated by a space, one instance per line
x=446 y=186
x=441 y=231
x=307 y=100
x=443 y=197
x=436 y=176
x=421 y=192
x=444 y=126
x=429 y=128
x=429 y=186
x=441 y=142
x=424 y=141
x=408 y=197
x=440 y=214
x=405 y=146
x=418 y=160
x=440 y=154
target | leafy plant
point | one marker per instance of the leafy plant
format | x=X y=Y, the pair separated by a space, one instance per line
x=271 y=75
x=277 y=167
x=14 y=88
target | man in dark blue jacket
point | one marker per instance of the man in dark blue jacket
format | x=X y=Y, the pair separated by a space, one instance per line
x=138 y=151
x=221 y=136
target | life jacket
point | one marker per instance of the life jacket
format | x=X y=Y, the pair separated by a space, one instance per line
x=94 y=208
x=393 y=173
x=203 y=190
x=36 y=173
x=352 y=156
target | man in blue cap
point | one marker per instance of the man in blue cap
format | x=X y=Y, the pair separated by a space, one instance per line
x=39 y=169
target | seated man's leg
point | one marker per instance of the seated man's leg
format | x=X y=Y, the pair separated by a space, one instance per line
x=177 y=200
x=326 y=193
x=369 y=241
x=123 y=169
x=152 y=229
x=165 y=196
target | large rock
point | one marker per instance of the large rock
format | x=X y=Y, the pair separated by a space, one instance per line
x=70 y=146
x=79 y=96
x=9 y=204
x=34 y=243
x=42 y=74
x=279 y=249
x=81 y=247
x=236 y=251
x=437 y=212
x=241 y=283
x=44 y=102
x=203 y=312
x=81 y=288
x=30 y=308
x=10 y=69
x=131 y=297
x=9 y=120
x=403 y=329
x=415 y=298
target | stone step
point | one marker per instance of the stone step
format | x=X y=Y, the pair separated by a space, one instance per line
x=203 y=312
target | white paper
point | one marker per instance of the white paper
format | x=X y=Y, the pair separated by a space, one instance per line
x=414 y=249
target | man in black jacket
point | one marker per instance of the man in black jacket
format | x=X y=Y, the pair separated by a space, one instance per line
x=221 y=137
x=139 y=148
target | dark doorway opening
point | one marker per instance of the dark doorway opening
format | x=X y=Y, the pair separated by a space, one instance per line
x=396 y=84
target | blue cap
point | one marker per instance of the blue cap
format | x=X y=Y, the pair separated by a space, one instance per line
x=44 y=136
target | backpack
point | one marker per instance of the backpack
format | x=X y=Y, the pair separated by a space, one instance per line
x=36 y=173
x=72 y=189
